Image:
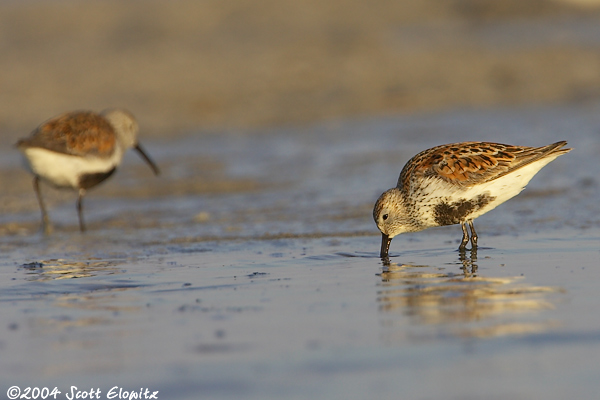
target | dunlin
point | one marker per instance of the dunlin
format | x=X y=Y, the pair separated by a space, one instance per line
x=79 y=150
x=456 y=183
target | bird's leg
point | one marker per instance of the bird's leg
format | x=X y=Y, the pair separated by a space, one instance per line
x=473 y=235
x=80 y=209
x=465 y=238
x=46 y=227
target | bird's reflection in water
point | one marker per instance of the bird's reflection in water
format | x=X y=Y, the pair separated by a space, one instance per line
x=469 y=262
x=89 y=302
x=54 y=269
x=462 y=304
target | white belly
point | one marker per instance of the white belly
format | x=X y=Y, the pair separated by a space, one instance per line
x=495 y=192
x=63 y=170
x=508 y=186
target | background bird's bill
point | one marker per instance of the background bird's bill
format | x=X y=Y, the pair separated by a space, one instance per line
x=143 y=154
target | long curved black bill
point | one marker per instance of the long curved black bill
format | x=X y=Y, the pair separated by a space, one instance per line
x=385 y=245
x=140 y=150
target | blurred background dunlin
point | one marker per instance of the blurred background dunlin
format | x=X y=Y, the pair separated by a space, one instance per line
x=188 y=65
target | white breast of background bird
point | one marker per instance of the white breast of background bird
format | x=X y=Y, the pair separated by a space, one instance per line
x=64 y=170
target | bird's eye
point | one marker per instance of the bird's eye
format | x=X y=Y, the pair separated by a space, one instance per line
x=385 y=216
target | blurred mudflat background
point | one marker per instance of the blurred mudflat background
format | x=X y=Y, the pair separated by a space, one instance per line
x=250 y=267
x=187 y=65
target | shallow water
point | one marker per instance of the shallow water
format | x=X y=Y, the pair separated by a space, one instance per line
x=250 y=268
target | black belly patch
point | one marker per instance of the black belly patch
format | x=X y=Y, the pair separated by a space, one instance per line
x=458 y=212
x=87 y=181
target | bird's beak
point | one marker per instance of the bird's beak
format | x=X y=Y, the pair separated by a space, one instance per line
x=140 y=150
x=385 y=245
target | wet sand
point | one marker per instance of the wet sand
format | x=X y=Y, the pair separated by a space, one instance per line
x=311 y=318
x=249 y=268
x=269 y=285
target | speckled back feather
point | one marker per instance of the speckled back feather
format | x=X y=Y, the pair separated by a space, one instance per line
x=79 y=133
x=471 y=163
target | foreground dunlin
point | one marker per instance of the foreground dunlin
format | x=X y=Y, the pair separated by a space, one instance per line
x=78 y=150
x=456 y=183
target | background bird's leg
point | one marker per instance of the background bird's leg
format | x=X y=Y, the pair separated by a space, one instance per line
x=80 y=209
x=46 y=227
x=473 y=235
